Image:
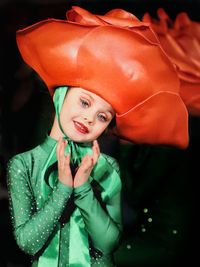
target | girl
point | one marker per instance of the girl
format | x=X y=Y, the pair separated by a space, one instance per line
x=65 y=194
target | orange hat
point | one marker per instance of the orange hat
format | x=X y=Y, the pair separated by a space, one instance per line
x=119 y=58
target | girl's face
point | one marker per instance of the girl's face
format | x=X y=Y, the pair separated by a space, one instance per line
x=85 y=115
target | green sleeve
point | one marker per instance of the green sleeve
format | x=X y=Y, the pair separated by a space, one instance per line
x=32 y=227
x=103 y=226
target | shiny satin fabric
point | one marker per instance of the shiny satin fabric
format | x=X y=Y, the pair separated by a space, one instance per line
x=119 y=58
x=78 y=247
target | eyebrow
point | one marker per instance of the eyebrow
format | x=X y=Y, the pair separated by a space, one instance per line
x=88 y=95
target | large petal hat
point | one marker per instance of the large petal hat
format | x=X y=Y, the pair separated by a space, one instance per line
x=181 y=41
x=119 y=58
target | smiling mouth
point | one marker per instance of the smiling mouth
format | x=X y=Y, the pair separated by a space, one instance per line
x=81 y=127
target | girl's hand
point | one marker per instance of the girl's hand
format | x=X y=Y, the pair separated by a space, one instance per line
x=64 y=171
x=87 y=165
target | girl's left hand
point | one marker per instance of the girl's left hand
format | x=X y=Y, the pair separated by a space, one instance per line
x=87 y=165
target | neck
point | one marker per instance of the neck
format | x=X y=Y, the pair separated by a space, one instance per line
x=55 y=130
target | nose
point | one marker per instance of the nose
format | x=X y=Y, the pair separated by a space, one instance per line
x=89 y=118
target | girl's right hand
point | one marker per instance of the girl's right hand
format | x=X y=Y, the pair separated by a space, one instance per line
x=64 y=171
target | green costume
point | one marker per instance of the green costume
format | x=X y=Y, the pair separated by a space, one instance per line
x=59 y=225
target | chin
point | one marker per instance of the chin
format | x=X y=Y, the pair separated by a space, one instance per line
x=78 y=138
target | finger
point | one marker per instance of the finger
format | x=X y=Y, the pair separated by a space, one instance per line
x=58 y=146
x=61 y=152
x=96 y=147
x=96 y=144
x=87 y=162
x=96 y=152
x=58 y=150
x=67 y=160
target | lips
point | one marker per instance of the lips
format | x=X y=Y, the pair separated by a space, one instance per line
x=81 y=127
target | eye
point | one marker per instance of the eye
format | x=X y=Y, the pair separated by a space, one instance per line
x=102 y=117
x=85 y=103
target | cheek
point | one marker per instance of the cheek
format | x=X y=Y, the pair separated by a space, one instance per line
x=76 y=108
x=73 y=111
x=101 y=127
